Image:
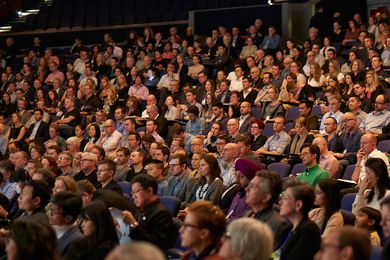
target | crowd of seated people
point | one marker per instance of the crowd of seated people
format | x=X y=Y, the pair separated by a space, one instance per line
x=201 y=124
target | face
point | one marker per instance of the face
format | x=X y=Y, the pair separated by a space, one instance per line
x=190 y=232
x=87 y=163
x=135 y=158
x=59 y=185
x=204 y=168
x=195 y=161
x=196 y=145
x=362 y=220
x=220 y=143
x=154 y=171
x=55 y=215
x=245 y=108
x=287 y=204
x=266 y=79
x=330 y=248
x=228 y=153
x=380 y=103
x=103 y=173
x=306 y=156
x=303 y=110
x=232 y=127
x=329 y=125
x=255 y=129
x=121 y=158
x=109 y=127
x=372 y=178
x=64 y=160
x=385 y=221
x=254 y=194
x=26 y=201
x=139 y=194
x=278 y=124
x=320 y=198
x=87 y=227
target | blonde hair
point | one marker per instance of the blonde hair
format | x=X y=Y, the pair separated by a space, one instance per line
x=69 y=182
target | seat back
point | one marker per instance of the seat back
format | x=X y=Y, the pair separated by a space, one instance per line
x=281 y=168
x=171 y=203
x=348 y=172
x=384 y=146
x=347 y=201
x=126 y=187
x=268 y=129
x=297 y=168
x=292 y=113
x=348 y=217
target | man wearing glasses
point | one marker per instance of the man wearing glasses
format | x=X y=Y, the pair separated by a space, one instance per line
x=88 y=166
x=110 y=138
x=153 y=222
x=64 y=162
x=377 y=119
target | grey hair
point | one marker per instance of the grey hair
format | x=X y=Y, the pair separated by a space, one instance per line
x=139 y=251
x=251 y=239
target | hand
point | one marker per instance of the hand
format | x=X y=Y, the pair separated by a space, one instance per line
x=128 y=217
x=182 y=213
x=359 y=156
x=363 y=185
x=338 y=155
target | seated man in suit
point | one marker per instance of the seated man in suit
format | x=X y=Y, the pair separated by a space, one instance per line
x=246 y=117
x=38 y=131
x=153 y=223
x=105 y=175
x=64 y=210
x=180 y=184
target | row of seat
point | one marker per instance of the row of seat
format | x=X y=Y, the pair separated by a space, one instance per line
x=76 y=13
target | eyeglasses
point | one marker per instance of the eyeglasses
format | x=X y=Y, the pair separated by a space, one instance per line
x=379 y=103
x=254 y=127
x=219 y=143
x=304 y=154
x=52 y=212
x=187 y=225
x=136 y=191
x=83 y=160
x=174 y=164
x=62 y=158
x=107 y=126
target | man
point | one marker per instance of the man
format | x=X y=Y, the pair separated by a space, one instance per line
x=110 y=138
x=128 y=127
x=230 y=153
x=277 y=143
x=351 y=135
x=39 y=131
x=88 y=74
x=153 y=223
x=137 y=165
x=309 y=61
x=119 y=120
x=354 y=104
x=345 y=243
x=233 y=128
x=262 y=95
x=271 y=41
x=246 y=118
x=165 y=81
x=64 y=210
x=255 y=73
x=327 y=160
x=34 y=197
x=80 y=63
x=218 y=115
x=359 y=90
x=277 y=78
x=367 y=150
x=245 y=172
x=331 y=136
x=190 y=101
x=174 y=91
x=248 y=93
x=244 y=142
x=160 y=120
x=310 y=155
x=334 y=111
x=261 y=194
x=69 y=120
x=181 y=184
x=222 y=60
x=64 y=162
x=133 y=141
x=377 y=119
x=20 y=160
x=54 y=74
x=88 y=167
x=105 y=174
x=24 y=114
x=236 y=79
x=122 y=164
x=318 y=57
x=155 y=168
x=151 y=128
x=304 y=109
x=177 y=145
x=195 y=124
x=53 y=151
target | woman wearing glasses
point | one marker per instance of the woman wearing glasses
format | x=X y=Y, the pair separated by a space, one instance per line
x=202 y=230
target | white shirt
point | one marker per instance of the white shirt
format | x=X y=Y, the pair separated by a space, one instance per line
x=374 y=154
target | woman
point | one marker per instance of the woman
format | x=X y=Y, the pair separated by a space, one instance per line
x=53 y=104
x=148 y=36
x=17 y=130
x=358 y=71
x=347 y=90
x=50 y=164
x=209 y=89
x=290 y=44
x=167 y=53
x=36 y=153
x=40 y=95
x=100 y=67
x=215 y=130
x=247 y=238
x=104 y=85
x=248 y=50
x=315 y=77
x=92 y=137
x=373 y=88
x=171 y=113
x=64 y=183
x=256 y=132
x=32 y=238
x=132 y=107
x=202 y=230
x=296 y=68
x=301 y=136
x=352 y=33
x=347 y=66
x=79 y=132
x=268 y=63
x=327 y=45
x=99 y=232
x=304 y=239
x=327 y=216
x=334 y=71
x=207 y=112
x=122 y=89
x=374 y=187
x=73 y=144
x=7 y=107
x=110 y=102
x=209 y=186
x=274 y=107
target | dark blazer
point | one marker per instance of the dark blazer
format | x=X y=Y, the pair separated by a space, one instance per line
x=68 y=237
x=258 y=143
x=113 y=186
x=155 y=226
x=115 y=200
x=42 y=133
x=162 y=126
x=246 y=124
x=251 y=97
x=279 y=225
x=303 y=243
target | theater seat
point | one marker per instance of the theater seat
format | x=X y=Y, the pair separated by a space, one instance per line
x=171 y=203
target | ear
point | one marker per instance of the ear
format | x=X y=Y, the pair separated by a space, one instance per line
x=68 y=219
x=371 y=222
x=36 y=202
x=204 y=233
x=267 y=197
x=346 y=253
x=298 y=205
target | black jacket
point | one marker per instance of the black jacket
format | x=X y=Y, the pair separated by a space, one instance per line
x=42 y=133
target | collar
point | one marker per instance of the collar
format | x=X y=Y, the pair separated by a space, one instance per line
x=309 y=170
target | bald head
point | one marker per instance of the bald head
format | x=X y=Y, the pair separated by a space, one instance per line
x=230 y=152
x=322 y=144
x=368 y=143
